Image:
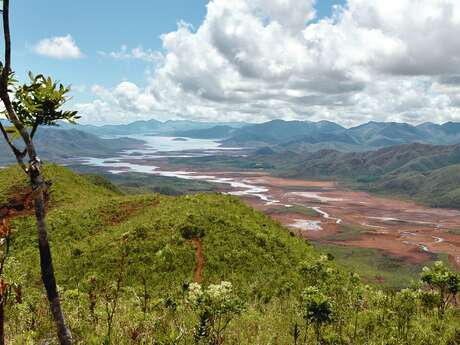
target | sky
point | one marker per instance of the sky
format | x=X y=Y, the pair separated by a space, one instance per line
x=348 y=61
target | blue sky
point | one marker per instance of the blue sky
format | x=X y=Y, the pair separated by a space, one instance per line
x=101 y=25
x=249 y=60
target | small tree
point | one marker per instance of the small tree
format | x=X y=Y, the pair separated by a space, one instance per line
x=27 y=107
x=316 y=309
x=442 y=281
x=405 y=311
x=216 y=307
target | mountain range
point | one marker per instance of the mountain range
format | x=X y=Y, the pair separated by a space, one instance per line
x=151 y=127
x=299 y=136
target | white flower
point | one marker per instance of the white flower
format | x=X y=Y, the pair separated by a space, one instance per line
x=221 y=291
x=195 y=292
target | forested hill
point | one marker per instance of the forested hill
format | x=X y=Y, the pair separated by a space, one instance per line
x=392 y=160
x=129 y=262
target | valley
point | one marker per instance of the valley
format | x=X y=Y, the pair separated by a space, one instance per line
x=322 y=211
x=351 y=218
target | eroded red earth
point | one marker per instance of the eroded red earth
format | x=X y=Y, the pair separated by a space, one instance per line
x=353 y=218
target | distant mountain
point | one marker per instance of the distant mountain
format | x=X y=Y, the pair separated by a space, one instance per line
x=305 y=136
x=452 y=128
x=392 y=160
x=381 y=134
x=153 y=127
x=57 y=144
x=298 y=136
x=278 y=132
x=132 y=128
x=216 y=132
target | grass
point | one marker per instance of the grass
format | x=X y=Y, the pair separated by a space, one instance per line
x=348 y=232
x=305 y=211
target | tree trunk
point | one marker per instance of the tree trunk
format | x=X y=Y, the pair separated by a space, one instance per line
x=2 y=322
x=46 y=263
x=37 y=183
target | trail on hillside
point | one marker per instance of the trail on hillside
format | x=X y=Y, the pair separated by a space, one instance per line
x=199 y=260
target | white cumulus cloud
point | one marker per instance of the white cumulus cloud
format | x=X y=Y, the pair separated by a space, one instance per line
x=255 y=60
x=59 y=47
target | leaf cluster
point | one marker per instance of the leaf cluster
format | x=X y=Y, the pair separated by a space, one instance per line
x=40 y=101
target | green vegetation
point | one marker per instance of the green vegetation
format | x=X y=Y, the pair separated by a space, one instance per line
x=305 y=211
x=135 y=183
x=375 y=266
x=125 y=265
x=348 y=232
x=437 y=188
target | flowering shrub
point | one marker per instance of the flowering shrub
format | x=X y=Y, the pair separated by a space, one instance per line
x=216 y=306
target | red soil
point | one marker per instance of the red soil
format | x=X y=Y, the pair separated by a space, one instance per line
x=400 y=228
x=282 y=182
x=20 y=204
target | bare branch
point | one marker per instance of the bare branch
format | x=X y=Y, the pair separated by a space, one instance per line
x=7 y=138
x=18 y=154
x=34 y=130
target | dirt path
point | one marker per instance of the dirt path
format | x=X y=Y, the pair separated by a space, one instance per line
x=199 y=260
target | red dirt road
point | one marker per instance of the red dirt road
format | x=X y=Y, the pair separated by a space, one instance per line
x=199 y=261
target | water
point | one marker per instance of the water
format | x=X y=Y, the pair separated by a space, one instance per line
x=162 y=147
x=307 y=225
x=154 y=145
x=327 y=215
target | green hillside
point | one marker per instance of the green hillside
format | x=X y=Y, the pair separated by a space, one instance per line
x=153 y=246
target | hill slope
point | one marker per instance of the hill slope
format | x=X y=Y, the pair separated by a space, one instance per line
x=134 y=255
x=86 y=217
